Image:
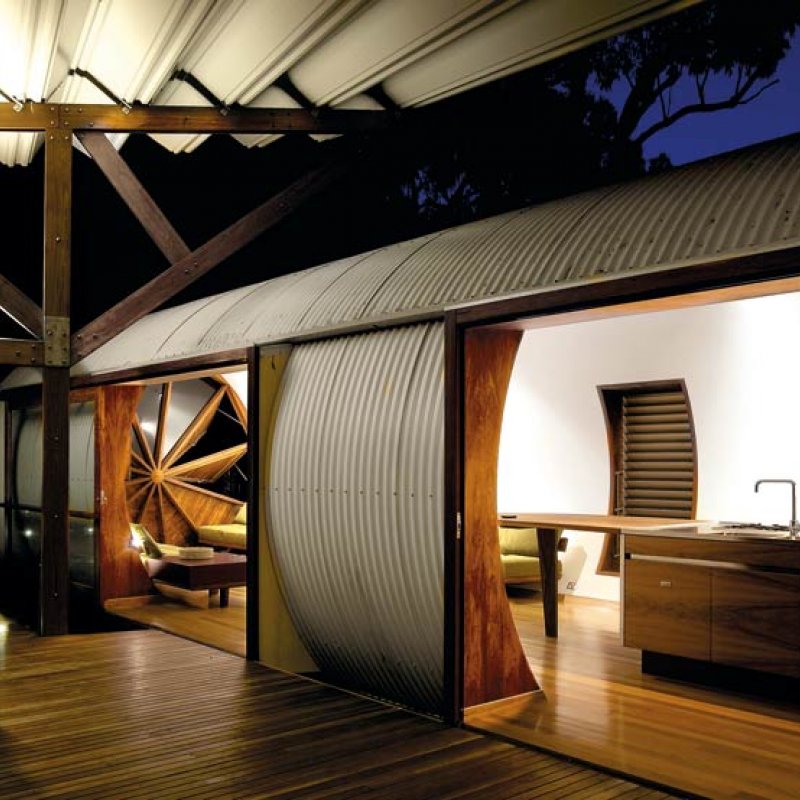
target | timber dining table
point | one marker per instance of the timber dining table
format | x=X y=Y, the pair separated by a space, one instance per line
x=548 y=530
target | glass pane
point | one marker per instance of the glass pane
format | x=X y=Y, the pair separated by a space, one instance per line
x=82 y=551
x=188 y=398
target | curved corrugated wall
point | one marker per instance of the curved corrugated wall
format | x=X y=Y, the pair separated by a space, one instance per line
x=81 y=458
x=734 y=204
x=356 y=509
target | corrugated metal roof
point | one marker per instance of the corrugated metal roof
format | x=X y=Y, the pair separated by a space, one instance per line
x=333 y=50
x=356 y=507
x=732 y=204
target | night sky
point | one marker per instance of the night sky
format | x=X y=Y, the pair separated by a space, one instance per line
x=775 y=113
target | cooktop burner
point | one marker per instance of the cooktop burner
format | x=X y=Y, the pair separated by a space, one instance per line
x=756 y=526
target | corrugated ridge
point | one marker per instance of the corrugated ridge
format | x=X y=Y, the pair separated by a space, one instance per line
x=728 y=205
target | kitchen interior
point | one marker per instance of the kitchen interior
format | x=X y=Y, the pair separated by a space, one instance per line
x=677 y=656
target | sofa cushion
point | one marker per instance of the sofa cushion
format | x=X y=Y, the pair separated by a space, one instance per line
x=241 y=515
x=520 y=568
x=230 y=535
x=519 y=541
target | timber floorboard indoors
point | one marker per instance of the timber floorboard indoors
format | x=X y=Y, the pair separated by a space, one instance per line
x=598 y=707
x=141 y=715
x=190 y=615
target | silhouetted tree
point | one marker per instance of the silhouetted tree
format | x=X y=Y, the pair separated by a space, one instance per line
x=719 y=54
x=557 y=130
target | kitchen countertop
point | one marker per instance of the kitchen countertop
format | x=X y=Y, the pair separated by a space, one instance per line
x=714 y=531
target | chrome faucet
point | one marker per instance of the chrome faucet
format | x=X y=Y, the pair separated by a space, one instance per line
x=793 y=525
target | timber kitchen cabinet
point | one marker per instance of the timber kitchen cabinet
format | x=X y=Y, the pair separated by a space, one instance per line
x=756 y=620
x=668 y=608
x=727 y=602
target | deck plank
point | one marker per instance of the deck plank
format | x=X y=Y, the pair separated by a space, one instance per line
x=142 y=715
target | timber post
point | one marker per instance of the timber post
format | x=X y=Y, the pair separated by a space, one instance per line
x=54 y=558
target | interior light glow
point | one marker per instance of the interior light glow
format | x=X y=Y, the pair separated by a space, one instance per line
x=27 y=533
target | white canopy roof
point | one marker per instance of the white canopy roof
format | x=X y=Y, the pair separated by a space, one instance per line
x=418 y=51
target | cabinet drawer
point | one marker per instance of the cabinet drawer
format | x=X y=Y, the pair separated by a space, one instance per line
x=667 y=608
x=756 y=621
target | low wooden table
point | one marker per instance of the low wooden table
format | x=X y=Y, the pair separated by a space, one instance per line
x=548 y=530
x=220 y=572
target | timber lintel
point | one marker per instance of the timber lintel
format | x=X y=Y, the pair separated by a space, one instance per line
x=29 y=116
x=202 y=119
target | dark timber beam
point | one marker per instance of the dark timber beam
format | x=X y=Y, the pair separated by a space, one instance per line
x=137 y=198
x=30 y=117
x=20 y=307
x=21 y=352
x=54 y=576
x=202 y=119
x=188 y=269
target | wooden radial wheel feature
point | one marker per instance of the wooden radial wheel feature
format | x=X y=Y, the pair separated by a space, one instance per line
x=167 y=489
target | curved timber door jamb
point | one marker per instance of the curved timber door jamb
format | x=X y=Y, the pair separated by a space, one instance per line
x=494 y=664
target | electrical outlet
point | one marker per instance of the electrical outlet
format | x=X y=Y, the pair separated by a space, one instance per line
x=571 y=584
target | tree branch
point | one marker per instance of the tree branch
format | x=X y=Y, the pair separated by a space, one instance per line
x=738 y=98
x=640 y=99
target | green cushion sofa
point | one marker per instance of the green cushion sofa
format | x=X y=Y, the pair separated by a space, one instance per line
x=230 y=536
x=519 y=554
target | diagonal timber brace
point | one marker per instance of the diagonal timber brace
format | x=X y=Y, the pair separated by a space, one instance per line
x=20 y=307
x=194 y=265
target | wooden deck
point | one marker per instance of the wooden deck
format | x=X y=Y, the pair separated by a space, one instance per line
x=600 y=708
x=190 y=615
x=143 y=715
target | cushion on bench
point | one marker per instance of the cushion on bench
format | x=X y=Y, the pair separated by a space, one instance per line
x=232 y=534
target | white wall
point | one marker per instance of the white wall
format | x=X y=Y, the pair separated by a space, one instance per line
x=740 y=366
x=238 y=381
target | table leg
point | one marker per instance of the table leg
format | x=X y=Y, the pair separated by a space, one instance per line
x=223 y=598
x=548 y=563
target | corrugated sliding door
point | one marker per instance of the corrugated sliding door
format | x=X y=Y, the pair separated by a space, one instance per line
x=356 y=509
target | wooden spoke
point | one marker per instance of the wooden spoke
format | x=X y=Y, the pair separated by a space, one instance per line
x=143 y=445
x=177 y=506
x=134 y=492
x=208 y=468
x=160 y=510
x=139 y=460
x=162 y=494
x=197 y=427
x=150 y=492
x=203 y=504
x=161 y=429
